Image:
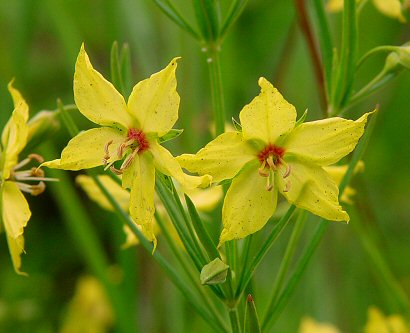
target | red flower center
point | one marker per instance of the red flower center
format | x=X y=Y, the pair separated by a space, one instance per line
x=138 y=137
x=272 y=151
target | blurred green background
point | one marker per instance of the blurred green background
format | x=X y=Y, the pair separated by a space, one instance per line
x=40 y=40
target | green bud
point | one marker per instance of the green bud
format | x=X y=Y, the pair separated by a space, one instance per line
x=214 y=273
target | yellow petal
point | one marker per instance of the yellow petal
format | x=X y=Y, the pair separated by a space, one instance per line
x=16 y=214
x=14 y=136
x=168 y=165
x=139 y=177
x=96 y=98
x=334 y=5
x=86 y=150
x=94 y=193
x=269 y=116
x=326 y=141
x=248 y=205
x=391 y=8
x=309 y=325
x=222 y=158
x=377 y=322
x=155 y=101
x=205 y=199
x=311 y=188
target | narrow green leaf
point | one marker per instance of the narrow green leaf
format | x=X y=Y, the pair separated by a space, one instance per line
x=251 y=320
x=201 y=231
x=67 y=119
x=235 y=10
x=172 y=134
x=116 y=77
x=302 y=118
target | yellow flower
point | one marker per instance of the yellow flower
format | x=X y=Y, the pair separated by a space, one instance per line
x=89 y=310
x=273 y=153
x=337 y=173
x=130 y=132
x=391 y=8
x=15 y=211
x=377 y=322
x=308 y=325
x=203 y=199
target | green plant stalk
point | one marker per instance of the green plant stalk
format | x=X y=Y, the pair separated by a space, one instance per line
x=116 y=75
x=193 y=278
x=201 y=231
x=347 y=65
x=214 y=69
x=207 y=19
x=176 y=278
x=234 y=318
x=81 y=230
x=320 y=231
x=247 y=274
x=234 y=11
x=378 y=49
x=284 y=267
x=382 y=268
x=177 y=219
x=169 y=10
x=325 y=42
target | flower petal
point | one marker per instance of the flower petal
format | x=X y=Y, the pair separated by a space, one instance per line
x=15 y=215
x=139 y=177
x=96 y=98
x=248 y=205
x=269 y=116
x=222 y=158
x=311 y=188
x=206 y=199
x=391 y=8
x=168 y=165
x=86 y=150
x=14 y=136
x=326 y=141
x=155 y=101
x=94 y=193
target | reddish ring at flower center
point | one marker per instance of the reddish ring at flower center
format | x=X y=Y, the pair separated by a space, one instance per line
x=272 y=151
x=139 y=137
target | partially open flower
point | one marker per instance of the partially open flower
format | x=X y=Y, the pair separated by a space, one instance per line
x=275 y=154
x=15 y=211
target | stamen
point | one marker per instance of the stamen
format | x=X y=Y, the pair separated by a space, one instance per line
x=34 y=190
x=270 y=181
x=118 y=172
x=271 y=163
x=36 y=157
x=288 y=169
x=262 y=171
x=107 y=152
x=129 y=159
x=287 y=186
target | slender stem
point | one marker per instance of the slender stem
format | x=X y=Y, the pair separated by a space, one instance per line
x=247 y=275
x=234 y=318
x=214 y=69
x=284 y=266
x=378 y=49
x=307 y=31
x=176 y=278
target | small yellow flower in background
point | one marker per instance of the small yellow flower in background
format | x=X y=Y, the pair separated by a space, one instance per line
x=377 y=322
x=337 y=173
x=15 y=211
x=273 y=154
x=203 y=199
x=129 y=132
x=308 y=325
x=89 y=310
x=390 y=8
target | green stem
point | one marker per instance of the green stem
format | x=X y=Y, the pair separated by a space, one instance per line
x=247 y=274
x=284 y=267
x=234 y=318
x=378 y=49
x=214 y=69
x=176 y=278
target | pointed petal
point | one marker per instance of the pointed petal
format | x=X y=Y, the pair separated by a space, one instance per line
x=168 y=165
x=155 y=101
x=139 y=177
x=206 y=199
x=391 y=8
x=96 y=98
x=326 y=141
x=222 y=158
x=269 y=116
x=16 y=214
x=248 y=205
x=86 y=150
x=311 y=188
x=14 y=136
x=94 y=193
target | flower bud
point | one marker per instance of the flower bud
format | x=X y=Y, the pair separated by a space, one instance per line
x=214 y=273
